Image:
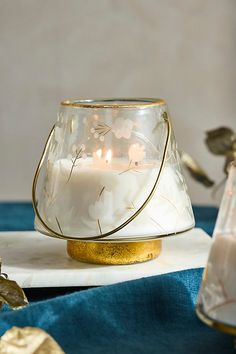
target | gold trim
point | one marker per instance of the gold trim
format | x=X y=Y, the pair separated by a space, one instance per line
x=220 y=326
x=107 y=103
x=54 y=233
x=113 y=253
x=123 y=239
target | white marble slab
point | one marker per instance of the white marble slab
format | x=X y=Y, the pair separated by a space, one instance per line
x=34 y=260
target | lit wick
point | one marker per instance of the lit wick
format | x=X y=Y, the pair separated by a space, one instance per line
x=99 y=153
x=108 y=156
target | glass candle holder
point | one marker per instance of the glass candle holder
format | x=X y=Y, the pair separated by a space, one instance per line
x=112 y=178
x=217 y=297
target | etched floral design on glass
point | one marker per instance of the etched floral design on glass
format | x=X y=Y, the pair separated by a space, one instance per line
x=102 y=165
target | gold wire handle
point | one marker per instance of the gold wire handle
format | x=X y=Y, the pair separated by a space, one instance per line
x=53 y=233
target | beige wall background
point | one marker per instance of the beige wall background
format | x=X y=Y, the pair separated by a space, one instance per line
x=181 y=50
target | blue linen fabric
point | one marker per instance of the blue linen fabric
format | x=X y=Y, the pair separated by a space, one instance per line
x=149 y=315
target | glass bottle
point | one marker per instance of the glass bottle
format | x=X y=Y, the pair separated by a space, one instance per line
x=217 y=298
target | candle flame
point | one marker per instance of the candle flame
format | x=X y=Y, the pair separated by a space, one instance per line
x=108 y=156
x=99 y=153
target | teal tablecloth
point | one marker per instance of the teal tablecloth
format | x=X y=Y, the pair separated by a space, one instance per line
x=150 y=315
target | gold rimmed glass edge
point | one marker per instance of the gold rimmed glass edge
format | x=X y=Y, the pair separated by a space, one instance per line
x=114 y=103
x=220 y=326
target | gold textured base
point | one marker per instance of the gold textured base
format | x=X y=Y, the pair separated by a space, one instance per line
x=113 y=253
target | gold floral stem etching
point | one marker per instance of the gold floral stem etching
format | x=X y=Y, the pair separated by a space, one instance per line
x=77 y=157
x=102 y=129
x=101 y=192
x=59 y=226
x=99 y=226
x=130 y=168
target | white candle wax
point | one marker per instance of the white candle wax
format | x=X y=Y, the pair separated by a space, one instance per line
x=98 y=197
x=218 y=293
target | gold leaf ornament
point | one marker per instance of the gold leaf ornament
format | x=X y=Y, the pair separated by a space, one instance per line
x=230 y=157
x=195 y=170
x=28 y=340
x=221 y=141
x=11 y=293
